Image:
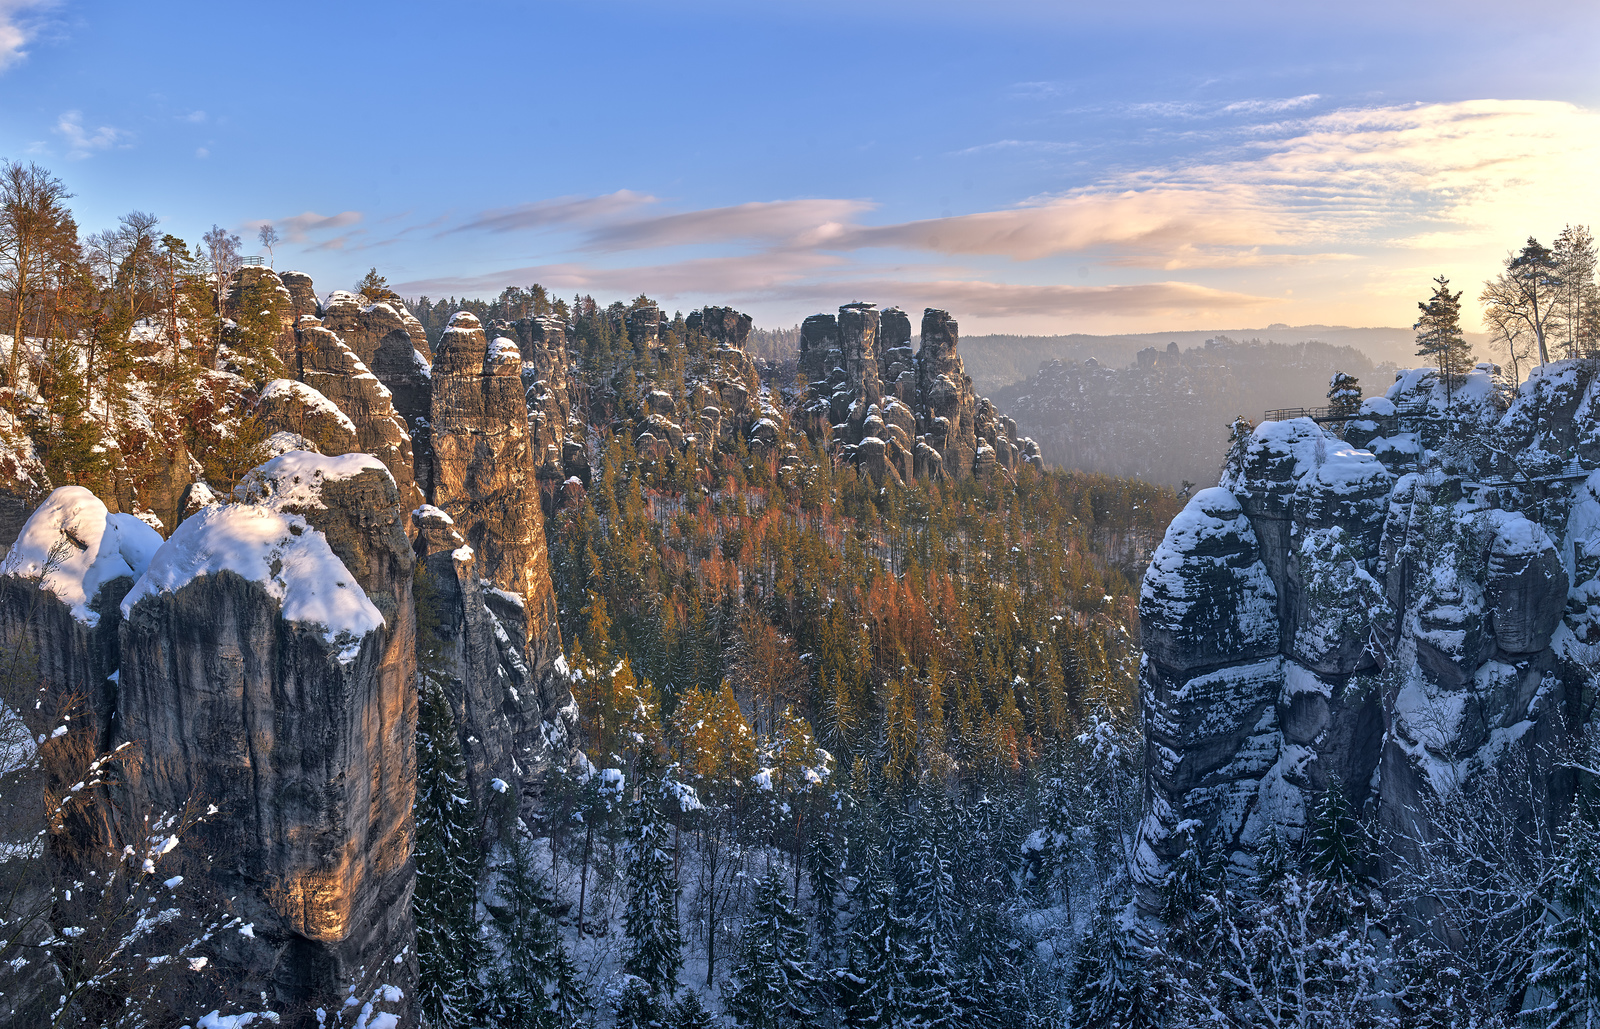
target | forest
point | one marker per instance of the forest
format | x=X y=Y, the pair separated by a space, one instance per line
x=852 y=751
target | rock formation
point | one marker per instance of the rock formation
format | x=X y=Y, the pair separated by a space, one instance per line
x=899 y=414
x=267 y=659
x=493 y=690
x=486 y=471
x=326 y=364
x=1384 y=612
x=557 y=441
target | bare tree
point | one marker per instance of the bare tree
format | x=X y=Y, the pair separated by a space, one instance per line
x=222 y=254
x=268 y=237
x=32 y=214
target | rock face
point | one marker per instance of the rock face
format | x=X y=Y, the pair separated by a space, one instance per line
x=267 y=659
x=557 y=441
x=327 y=365
x=390 y=341
x=491 y=686
x=486 y=473
x=899 y=414
x=1379 y=612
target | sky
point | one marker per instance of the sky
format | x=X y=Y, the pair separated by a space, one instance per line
x=1031 y=167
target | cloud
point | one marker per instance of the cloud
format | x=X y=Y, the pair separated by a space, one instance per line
x=82 y=142
x=569 y=210
x=19 y=23
x=1000 y=145
x=1001 y=300
x=793 y=222
x=1270 y=106
x=1422 y=176
x=1152 y=219
x=733 y=277
x=298 y=228
x=1036 y=90
x=193 y=117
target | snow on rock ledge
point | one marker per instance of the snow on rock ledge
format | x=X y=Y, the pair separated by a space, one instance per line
x=294 y=480
x=77 y=546
x=263 y=543
x=1206 y=598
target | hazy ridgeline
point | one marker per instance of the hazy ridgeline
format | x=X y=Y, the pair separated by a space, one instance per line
x=1164 y=417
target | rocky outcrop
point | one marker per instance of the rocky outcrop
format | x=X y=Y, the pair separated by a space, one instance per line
x=288 y=405
x=327 y=365
x=515 y=719
x=557 y=441
x=302 y=294
x=721 y=325
x=899 y=414
x=486 y=472
x=1386 y=612
x=267 y=663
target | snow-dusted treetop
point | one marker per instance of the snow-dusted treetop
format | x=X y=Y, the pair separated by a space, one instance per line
x=91 y=547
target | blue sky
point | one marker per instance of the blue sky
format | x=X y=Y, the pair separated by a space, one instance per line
x=1032 y=167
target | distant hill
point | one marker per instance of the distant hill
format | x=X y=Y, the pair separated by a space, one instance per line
x=994 y=361
x=1163 y=416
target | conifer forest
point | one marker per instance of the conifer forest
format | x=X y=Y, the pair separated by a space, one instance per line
x=385 y=651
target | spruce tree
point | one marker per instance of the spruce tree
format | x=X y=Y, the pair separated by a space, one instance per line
x=822 y=867
x=773 y=985
x=690 y=1013
x=655 y=943
x=534 y=984
x=880 y=964
x=448 y=857
x=1111 y=986
x=1333 y=845
x=1566 y=968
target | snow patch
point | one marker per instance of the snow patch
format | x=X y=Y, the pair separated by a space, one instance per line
x=280 y=552
x=77 y=546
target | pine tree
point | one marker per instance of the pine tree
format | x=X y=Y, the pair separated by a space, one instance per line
x=1439 y=333
x=1344 y=396
x=448 y=863
x=773 y=985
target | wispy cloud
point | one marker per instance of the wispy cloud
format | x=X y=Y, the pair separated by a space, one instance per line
x=1270 y=106
x=1000 y=145
x=568 y=210
x=82 y=141
x=794 y=222
x=19 y=24
x=299 y=228
x=1037 y=90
